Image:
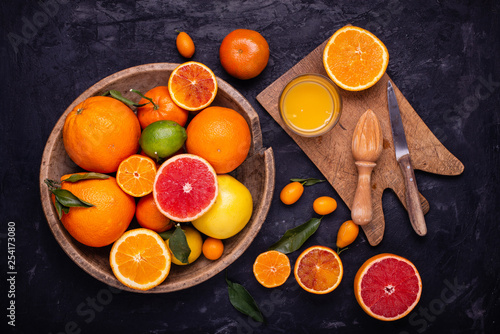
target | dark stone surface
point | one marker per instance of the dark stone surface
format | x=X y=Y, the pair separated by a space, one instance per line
x=444 y=58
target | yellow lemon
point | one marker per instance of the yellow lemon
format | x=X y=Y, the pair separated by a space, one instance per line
x=230 y=213
x=195 y=243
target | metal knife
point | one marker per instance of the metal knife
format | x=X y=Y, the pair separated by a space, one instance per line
x=403 y=157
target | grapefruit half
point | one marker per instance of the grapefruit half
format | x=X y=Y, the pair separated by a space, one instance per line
x=387 y=287
x=185 y=187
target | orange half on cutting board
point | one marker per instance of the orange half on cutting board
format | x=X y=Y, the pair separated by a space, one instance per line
x=354 y=58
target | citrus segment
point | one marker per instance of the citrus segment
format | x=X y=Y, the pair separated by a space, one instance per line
x=272 y=268
x=136 y=175
x=318 y=270
x=192 y=86
x=387 y=287
x=140 y=259
x=185 y=187
x=354 y=58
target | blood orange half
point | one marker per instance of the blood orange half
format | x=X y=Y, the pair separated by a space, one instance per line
x=387 y=287
x=318 y=270
x=185 y=187
x=192 y=86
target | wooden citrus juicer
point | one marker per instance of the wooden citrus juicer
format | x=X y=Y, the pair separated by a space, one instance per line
x=366 y=149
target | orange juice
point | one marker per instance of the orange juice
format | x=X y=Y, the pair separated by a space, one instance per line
x=310 y=105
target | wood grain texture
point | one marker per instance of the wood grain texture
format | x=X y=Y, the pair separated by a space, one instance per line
x=331 y=153
x=412 y=201
x=256 y=173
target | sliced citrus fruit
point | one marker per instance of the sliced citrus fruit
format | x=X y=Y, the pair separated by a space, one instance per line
x=185 y=187
x=192 y=86
x=318 y=270
x=272 y=268
x=387 y=287
x=354 y=58
x=136 y=175
x=140 y=259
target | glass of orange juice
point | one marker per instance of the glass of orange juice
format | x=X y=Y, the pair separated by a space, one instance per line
x=310 y=105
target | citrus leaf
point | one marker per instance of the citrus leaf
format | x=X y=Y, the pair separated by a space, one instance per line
x=66 y=198
x=243 y=301
x=179 y=246
x=86 y=176
x=308 y=182
x=155 y=106
x=52 y=184
x=293 y=239
x=166 y=235
x=117 y=95
x=59 y=208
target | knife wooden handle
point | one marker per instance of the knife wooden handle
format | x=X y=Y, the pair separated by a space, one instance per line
x=412 y=200
x=362 y=211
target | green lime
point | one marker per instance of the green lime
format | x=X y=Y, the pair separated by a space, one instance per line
x=161 y=139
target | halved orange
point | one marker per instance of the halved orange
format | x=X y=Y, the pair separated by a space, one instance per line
x=354 y=58
x=140 y=259
x=318 y=270
x=387 y=287
x=136 y=175
x=272 y=268
x=192 y=86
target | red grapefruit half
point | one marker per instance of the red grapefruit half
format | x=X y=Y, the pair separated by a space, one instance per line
x=185 y=187
x=387 y=287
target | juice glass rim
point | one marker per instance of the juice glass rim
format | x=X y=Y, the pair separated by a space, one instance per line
x=333 y=121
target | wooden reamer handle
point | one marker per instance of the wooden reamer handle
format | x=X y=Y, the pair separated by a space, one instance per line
x=362 y=212
x=412 y=199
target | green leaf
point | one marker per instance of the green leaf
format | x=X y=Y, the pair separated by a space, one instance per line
x=86 y=176
x=179 y=246
x=117 y=95
x=52 y=184
x=166 y=235
x=59 y=208
x=155 y=106
x=308 y=182
x=66 y=198
x=293 y=239
x=243 y=301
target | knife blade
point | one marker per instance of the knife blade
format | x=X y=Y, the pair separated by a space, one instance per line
x=403 y=157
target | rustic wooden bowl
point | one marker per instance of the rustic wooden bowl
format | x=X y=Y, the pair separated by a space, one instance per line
x=257 y=173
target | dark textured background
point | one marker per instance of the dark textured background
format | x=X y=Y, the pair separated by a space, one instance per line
x=445 y=60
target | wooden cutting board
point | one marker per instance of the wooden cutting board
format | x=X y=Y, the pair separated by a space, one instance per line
x=331 y=153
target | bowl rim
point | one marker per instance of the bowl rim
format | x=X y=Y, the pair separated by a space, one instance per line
x=92 y=269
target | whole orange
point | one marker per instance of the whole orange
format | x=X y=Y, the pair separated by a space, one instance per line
x=99 y=133
x=162 y=108
x=107 y=220
x=244 y=53
x=148 y=215
x=221 y=136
